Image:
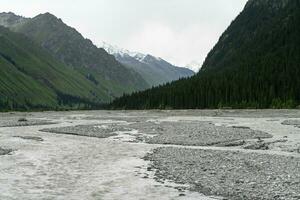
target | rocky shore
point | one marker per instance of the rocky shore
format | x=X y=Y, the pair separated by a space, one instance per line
x=221 y=154
x=24 y=122
x=98 y=131
x=202 y=134
x=295 y=123
x=233 y=175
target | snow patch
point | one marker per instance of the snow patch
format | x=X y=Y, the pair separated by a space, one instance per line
x=117 y=51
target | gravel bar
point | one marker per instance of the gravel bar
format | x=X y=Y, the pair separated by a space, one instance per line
x=295 y=123
x=199 y=134
x=16 y=123
x=233 y=175
x=98 y=131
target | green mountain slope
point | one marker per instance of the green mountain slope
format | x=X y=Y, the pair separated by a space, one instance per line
x=31 y=78
x=71 y=48
x=255 y=64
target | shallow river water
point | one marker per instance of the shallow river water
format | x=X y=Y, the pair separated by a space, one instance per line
x=76 y=167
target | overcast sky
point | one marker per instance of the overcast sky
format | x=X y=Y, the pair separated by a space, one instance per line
x=180 y=31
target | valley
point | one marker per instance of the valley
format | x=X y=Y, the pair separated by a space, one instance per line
x=83 y=119
x=48 y=65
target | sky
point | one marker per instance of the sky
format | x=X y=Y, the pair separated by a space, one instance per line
x=179 y=31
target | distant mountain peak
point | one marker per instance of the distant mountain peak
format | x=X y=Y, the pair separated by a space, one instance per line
x=48 y=17
x=7 y=14
x=153 y=69
x=47 y=14
x=150 y=58
x=113 y=49
x=9 y=19
x=117 y=51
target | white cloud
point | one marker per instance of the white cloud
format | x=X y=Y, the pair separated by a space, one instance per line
x=177 y=46
x=179 y=31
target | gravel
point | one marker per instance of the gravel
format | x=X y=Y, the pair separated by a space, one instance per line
x=295 y=123
x=263 y=145
x=18 y=122
x=230 y=174
x=149 y=128
x=198 y=134
x=233 y=171
x=98 y=131
x=4 y=151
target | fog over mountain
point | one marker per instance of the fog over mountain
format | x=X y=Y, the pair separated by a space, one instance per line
x=187 y=32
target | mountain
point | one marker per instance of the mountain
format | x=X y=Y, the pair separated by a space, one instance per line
x=155 y=71
x=255 y=64
x=71 y=48
x=10 y=19
x=32 y=78
x=194 y=65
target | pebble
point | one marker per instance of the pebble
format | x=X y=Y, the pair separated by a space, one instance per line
x=233 y=175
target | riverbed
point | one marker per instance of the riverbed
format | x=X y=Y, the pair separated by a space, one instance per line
x=147 y=154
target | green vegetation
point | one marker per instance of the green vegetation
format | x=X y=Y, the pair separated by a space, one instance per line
x=255 y=64
x=32 y=79
x=47 y=65
x=71 y=48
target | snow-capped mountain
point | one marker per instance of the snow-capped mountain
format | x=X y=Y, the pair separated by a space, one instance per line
x=112 y=49
x=117 y=51
x=153 y=69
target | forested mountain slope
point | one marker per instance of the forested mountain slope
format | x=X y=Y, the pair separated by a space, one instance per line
x=31 y=78
x=255 y=64
x=71 y=48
